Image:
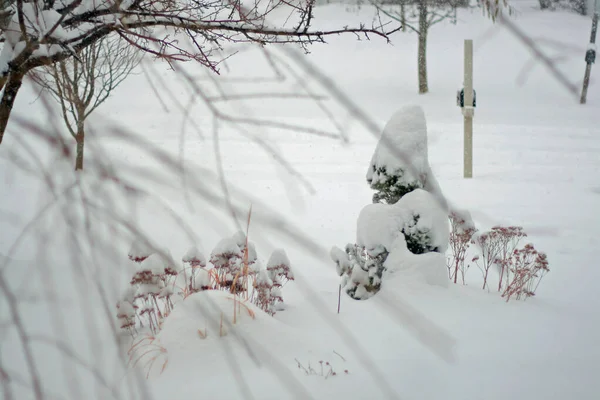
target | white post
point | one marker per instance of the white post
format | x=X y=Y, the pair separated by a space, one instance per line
x=468 y=110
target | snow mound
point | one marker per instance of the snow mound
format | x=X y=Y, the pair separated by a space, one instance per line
x=382 y=224
x=402 y=149
x=208 y=315
x=429 y=267
x=195 y=345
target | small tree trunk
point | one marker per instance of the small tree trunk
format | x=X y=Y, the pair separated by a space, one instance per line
x=8 y=100
x=422 y=53
x=403 y=16
x=79 y=138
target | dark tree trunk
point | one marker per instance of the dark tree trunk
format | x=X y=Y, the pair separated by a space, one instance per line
x=79 y=138
x=422 y=53
x=11 y=90
x=403 y=16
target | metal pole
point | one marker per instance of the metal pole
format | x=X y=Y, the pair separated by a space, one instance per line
x=468 y=110
x=590 y=59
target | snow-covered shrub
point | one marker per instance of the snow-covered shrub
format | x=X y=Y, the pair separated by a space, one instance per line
x=151 y=288
x=361 y=271
x=408 y=217
x=158 y=283
x=149 y=281
x=400 y=167
x=462 y=230
x=578 y=6
x=508 y=239
x=528 y=267
x=417 y=216
x=520 y=269
x=399 y=164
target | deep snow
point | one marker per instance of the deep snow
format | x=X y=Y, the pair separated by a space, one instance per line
x=536 y=164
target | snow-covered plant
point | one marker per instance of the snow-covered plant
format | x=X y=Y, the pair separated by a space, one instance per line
x=399 y=164
x=279 y=265
x=127 y=315
x=324 y=370
x=418 y=238
x=140 y=250
x=528 y=267
x=233 y=258
x=400 y=167
x=462 y=230
x=263 y=285
x=361 y=270
x=520 y=269
x=408 y=217
x=489 y=248
x=508 y=239
x=150 y=283
x=199 y=279
x=226 y=258
x=279 y=270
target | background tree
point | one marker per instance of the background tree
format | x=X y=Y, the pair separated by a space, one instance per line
x=420 y=15
x=81 y=84
x=582 y=7
x=41 y=33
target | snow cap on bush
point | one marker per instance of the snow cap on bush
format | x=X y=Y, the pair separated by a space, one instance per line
x=194 y=257
x=225 y=250
x=240 y=240
x=399 y=164
x=279 y=264
x=140 y=250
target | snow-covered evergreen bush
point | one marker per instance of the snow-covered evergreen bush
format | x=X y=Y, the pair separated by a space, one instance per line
x=361 y=270
x=400 y=167
x=409 y=216
x=399 y=164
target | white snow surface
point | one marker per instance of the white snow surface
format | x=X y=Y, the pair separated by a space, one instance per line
x=403 y=265
x=536 y=165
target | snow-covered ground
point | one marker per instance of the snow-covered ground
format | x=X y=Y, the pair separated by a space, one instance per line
x=536 y=164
